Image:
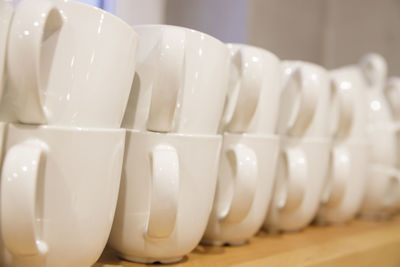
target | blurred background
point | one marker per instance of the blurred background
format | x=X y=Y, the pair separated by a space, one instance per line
x=328 y=32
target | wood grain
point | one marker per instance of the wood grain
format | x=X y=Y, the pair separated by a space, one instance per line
x=359 y=243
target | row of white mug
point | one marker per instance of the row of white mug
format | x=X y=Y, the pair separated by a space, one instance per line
x=155 y=138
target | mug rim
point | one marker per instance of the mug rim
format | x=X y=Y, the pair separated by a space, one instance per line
x=179 y=27
x=102 y=11
x=62 y=128
x=303 y=63
x=174 y=134
x=262 y=50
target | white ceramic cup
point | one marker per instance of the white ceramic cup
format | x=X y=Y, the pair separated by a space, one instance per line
x=254 y=91
x=166 y=195
x=70 y=64
x=382 y=194
x=59 y=189
x=244 y=188
x=305 y=98
x=344 y=192
x=6 y=13
x=180 y=82
x=301 y=175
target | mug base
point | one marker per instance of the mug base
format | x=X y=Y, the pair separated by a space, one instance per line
x=375 y=216
x=217 y=243
x=150 y=260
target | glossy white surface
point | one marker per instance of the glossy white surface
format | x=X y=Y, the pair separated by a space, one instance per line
x=63 y=213
x=241 y=201
x=254 y=91
x=301 y=175
x=189 y=96
x=344 y=190
x=198 y=158
x=305 y=100
x=6 y=13
x=67 y=61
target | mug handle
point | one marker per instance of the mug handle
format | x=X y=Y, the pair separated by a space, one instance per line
x=21 y=172
x=34 y=21
x=243 y=161
x=164 y=163
x=169 y=79
x=374 y=68
x=394 y=175
x=340 y=173
x=250 y=79
x=342 y=110
x=296 y=167
x=299 y=104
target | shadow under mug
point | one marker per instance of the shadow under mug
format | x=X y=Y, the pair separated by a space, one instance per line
x=59 y=189
x=70 y=64
x=166 y=195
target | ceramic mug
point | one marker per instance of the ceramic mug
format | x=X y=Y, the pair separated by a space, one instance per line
x=180 y=83
x=254 y=90
x=301 y=175
x=305 y=97
x=382 y=194
x=344 y=192
x=166 y=195
x=59 y=189
x=70 y=64
x=245 y=182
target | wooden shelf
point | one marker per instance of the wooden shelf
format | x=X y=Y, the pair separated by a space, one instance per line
x=360 y=243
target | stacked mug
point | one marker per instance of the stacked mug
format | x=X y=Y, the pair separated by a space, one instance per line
x=172 y=147
x=70 y=67
x=382 y=195
x=344 y=190
x=250 y=147
x=306 y=141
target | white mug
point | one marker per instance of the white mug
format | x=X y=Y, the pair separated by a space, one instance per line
x=59 y=189
x=166 y=195
x=305 y=96
x=70 y=64
x=344 y=192
x=344 y=189
x=180 y=82
x=244 y=189
x=254 y=91
x=6 y=13
x=301 y=175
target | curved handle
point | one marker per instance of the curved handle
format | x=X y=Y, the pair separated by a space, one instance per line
x=33 y=23
x=342 y=109
x=251 y=75
x=340 y=173
x=298 y=101
x=392 y=91
x=164 y=191
x=374 y=68
x=169 y=79
x=243 y=161
x=291 y=193
x=21 y=171
x=391 y=198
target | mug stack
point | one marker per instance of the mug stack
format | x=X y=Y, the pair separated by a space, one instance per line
x=345 y=187
x=172 y=146
x=250 y=147
x=69 y=71
x=305 y=149
x=382 y=195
